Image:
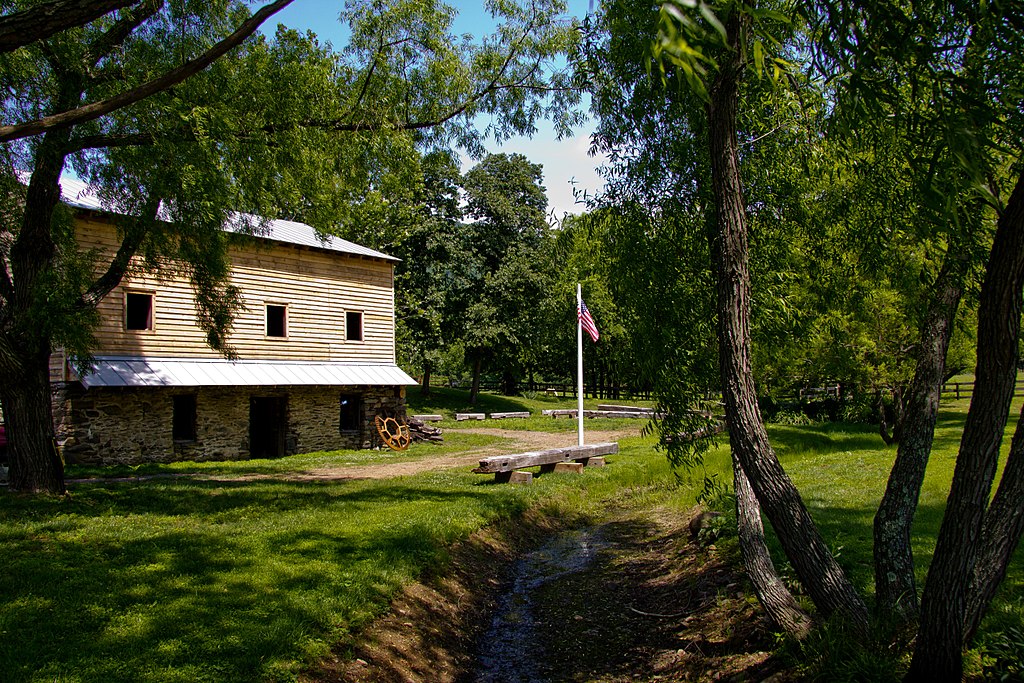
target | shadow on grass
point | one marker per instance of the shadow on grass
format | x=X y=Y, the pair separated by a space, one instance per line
x=445 y=400
x=208 y=581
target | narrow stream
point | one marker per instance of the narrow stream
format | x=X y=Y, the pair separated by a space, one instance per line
x=510 y=651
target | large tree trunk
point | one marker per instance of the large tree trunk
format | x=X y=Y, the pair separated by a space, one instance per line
x=24 y=342
x=779 y=604
x=824 y=579
x=1004 y=523
x=895 y=588
x=34 y=464
x=938 y=655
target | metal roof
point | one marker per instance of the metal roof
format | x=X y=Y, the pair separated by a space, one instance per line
x=118 y=371
x=80 y=195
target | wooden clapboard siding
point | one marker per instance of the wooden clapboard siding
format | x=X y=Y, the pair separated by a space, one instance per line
x=317 y=286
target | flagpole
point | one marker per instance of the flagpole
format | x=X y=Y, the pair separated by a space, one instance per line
x=579 y=360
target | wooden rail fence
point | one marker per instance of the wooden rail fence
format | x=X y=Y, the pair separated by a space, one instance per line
x=966 y=389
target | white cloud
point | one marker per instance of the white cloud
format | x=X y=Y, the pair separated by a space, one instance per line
x=569 y=171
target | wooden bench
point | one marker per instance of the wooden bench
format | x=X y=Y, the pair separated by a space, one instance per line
x=502 y=416
x=571 y=412
x=428 y=418
x=503 y=466
x=459 y=417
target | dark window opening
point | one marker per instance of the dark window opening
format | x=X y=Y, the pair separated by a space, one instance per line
x=351 y=409
x=138 y=311
x=184 y=418
x=354 y=325
x=276 y=321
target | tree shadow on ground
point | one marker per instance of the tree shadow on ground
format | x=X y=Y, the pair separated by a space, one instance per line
x=198 y=580
x=655 y=606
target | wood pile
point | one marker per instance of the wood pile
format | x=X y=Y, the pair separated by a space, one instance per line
x=421 y=431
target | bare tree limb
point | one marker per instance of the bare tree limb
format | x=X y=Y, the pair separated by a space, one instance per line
x=47 y=18
x=95 y=110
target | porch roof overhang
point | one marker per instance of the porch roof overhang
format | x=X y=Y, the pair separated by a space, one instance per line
x=118 y=371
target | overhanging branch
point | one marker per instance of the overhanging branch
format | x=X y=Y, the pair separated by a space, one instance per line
x=47 y=18
x=95 y=110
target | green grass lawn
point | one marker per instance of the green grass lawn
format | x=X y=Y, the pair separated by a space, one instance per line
x=178 y=579
x=446 y=402
x=185 y=579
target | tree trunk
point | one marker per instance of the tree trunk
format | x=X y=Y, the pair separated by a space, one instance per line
x=938 y=655
x=1004 y=523
x=509 y=384
x=883 y=420
x=474 y=391
x=895 y=588
x=824 y=579
x=425 y=385
x=35 y=466
x=24 y=344
x=778 y=602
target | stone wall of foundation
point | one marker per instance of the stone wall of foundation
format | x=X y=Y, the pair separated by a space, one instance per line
x=107 y=426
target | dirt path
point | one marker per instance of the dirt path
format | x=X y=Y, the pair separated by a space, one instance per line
x=521 y=441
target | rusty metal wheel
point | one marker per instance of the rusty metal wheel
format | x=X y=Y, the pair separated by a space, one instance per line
x=393 y=433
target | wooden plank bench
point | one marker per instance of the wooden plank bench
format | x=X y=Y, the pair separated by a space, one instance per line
x=502 y=466
x=571 y=412
x=607 y=407
x=459 y=417
x=502 y=416
x=428 y=418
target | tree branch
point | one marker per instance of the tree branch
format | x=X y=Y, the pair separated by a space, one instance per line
x=95 y=110
x=134 y=235
x=120 y=31
x=47 y=18
x=6 y=284
x=106 y=141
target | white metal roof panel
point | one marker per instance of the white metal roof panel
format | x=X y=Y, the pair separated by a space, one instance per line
x=113 y=371
x=80 y=195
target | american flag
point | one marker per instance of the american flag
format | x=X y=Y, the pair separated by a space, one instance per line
x=587 y=321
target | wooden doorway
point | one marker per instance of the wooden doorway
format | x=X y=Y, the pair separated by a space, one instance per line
x=268 y=426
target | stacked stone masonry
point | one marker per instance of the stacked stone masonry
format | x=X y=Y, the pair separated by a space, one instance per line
x=109 y=426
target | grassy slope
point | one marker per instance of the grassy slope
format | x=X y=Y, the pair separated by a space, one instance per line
x=178 y=579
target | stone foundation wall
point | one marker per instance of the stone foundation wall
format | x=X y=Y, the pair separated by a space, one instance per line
x=107 y=426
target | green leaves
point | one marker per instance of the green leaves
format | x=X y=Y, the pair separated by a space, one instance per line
x=692 y=38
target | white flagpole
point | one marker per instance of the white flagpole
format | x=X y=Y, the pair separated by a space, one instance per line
x=579 y=360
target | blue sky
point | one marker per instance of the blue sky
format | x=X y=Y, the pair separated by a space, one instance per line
x=566 y=163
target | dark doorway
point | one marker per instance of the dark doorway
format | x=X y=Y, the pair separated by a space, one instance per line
x=268 y=426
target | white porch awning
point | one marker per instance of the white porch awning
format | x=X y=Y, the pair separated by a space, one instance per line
x=111 y=371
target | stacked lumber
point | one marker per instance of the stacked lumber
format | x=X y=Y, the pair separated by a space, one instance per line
x=421 y=431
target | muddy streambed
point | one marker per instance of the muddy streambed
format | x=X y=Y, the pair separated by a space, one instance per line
x=627 y=599
x=512 y=650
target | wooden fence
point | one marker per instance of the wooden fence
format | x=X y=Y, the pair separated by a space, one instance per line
x=956 y=390
x=950 y=390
